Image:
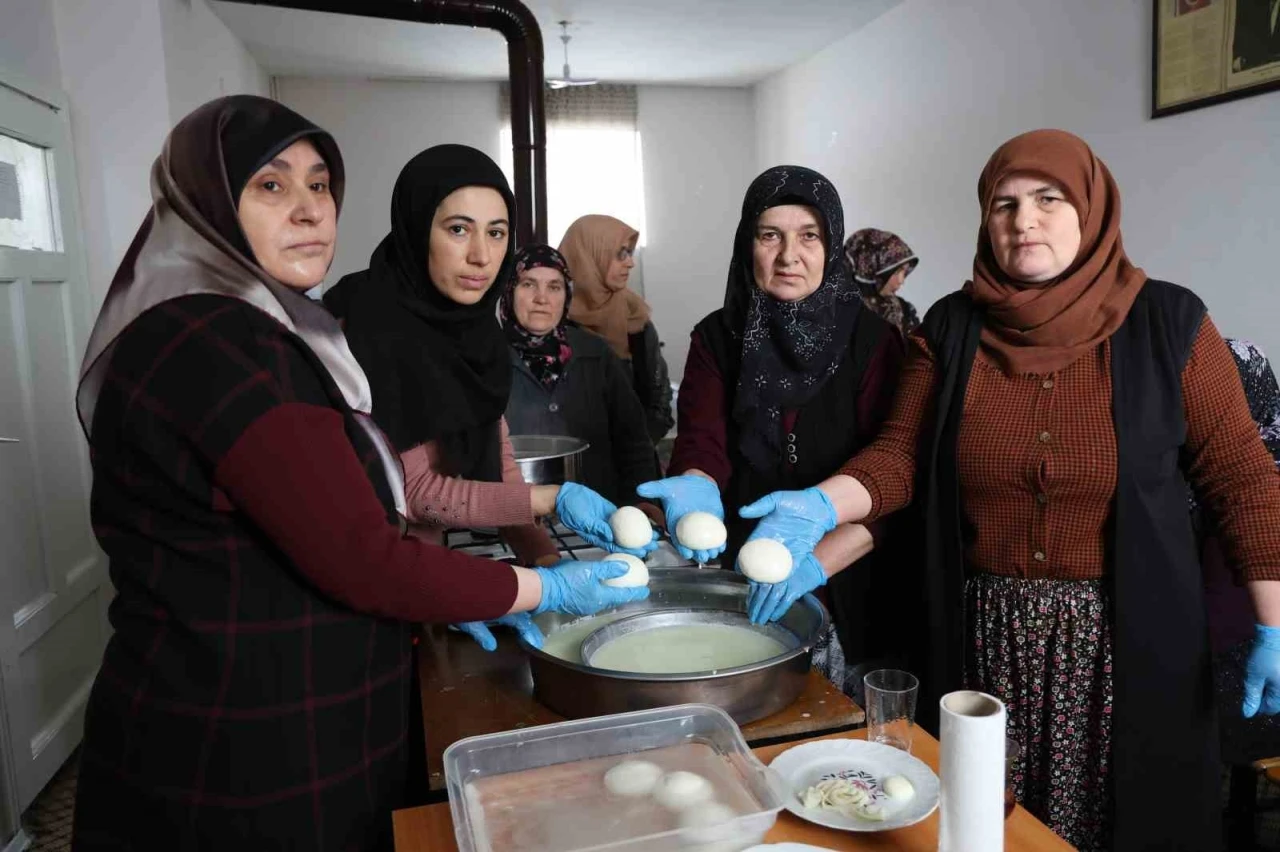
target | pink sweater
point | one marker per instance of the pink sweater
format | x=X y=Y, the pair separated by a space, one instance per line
x=436 y=502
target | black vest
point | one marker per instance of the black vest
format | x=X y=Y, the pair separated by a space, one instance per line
x=827 y=433
x=1164 y=730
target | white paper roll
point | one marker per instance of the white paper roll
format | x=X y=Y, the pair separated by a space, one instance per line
x=971 y=764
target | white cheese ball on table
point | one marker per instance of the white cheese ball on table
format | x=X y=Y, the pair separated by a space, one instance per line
x=679 y=790
x=765 y=560
x=637 y=572
x=701 y=531
x=631 y=528
x=898 y=787
x=632 y=778
x=706 y=823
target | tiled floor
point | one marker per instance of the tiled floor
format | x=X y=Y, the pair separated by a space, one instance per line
x=48 y=820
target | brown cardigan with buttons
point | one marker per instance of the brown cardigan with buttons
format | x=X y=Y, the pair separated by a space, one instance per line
x=1037 y=462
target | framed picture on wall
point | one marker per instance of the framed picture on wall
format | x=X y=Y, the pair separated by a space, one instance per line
x=1205 y=52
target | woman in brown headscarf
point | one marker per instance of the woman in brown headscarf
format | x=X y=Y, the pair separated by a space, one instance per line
x=1050 y=411
x=254 y=693
x=601 y=252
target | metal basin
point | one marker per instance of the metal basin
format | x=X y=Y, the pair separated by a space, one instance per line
x=658 y=619
x=746 y=693
x=549 y=459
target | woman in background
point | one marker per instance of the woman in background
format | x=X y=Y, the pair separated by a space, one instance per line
x=601 y=252
x=880 y=263
x=567 y=381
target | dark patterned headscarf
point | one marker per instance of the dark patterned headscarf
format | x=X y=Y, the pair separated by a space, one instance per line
x=873 y=256
x=544 y=354
x=789 y=349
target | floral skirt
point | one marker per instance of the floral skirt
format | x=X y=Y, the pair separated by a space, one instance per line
x=1043 y=647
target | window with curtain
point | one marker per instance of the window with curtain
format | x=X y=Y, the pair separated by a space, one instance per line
x=594 y=160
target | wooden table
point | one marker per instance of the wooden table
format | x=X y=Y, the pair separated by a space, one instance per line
x=467 y=691
x=431 y=827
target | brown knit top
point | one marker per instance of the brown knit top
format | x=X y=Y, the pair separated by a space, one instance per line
x=1037 y=461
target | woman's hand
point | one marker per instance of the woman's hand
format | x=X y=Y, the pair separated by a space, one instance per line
x=680 y=495
x=798 y=519
x=578 y=588
x=770 y=601
x=587 y=513
x=520 y=621
x=1262 y=673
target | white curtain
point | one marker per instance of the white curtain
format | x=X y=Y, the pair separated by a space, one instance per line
x=594 y=162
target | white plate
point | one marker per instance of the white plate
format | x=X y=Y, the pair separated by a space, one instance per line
x=805 y=765
x=787 y=847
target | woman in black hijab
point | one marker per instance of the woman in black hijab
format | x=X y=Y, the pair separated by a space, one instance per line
x=422 y=322
x=254 y=693
x=789 y=374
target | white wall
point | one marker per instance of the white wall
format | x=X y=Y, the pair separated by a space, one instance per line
x=699 y=155
x=131 y=69
x=28 y=42
x=903 y=114
x=203 y=60
x=698 y=149
x=380 y=125
x=113 y=71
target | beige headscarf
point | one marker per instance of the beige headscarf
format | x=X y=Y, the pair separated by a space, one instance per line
x=190 y=242
x=590 y=245
x=1040 y=328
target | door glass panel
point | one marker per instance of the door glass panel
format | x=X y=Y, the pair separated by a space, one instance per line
x=26 y=196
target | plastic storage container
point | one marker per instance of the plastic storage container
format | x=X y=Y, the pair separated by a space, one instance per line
x=541 y=789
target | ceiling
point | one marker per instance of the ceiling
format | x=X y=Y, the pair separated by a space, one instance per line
x=698 y=42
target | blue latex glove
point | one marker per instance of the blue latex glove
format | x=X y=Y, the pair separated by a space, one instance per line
x=587 y=513
x=520 y=621
x=576 y=587
x=681 y=495
x=770 y=601
x=798 y=519
x=1262 y=673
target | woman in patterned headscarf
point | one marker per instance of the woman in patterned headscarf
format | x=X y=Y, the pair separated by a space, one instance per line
x=788 y=375
x=567 y=381
x=880 y=263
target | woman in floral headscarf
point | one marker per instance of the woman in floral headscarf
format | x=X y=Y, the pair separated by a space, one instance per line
x=880 y=263
x=566 y=381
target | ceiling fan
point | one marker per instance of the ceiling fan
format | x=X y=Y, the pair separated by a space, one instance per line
x=568 y=79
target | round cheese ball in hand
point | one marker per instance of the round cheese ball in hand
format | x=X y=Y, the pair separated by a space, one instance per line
x=765 y=560
x=680 y=790
x=631 y=528
x=701 y=531
x=632 y=778
x=637 y=572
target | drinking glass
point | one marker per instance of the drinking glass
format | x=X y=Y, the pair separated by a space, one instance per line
x=891 y=707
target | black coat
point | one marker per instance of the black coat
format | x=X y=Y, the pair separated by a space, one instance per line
x=593 y=400
x=652 y=381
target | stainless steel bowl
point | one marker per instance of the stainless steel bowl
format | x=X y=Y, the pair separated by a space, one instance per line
x=658 y=619
x=549 y=459
x=746 y=693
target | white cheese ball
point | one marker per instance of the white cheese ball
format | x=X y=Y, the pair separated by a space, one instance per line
x=701 y=531
x=637 y=572
x=706 y=823
x=680 y=790
x=631 y=527
x=765 y=560
x=632 y=778
x=897 y=787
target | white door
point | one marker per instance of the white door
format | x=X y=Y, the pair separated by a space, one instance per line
x=53 y=584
